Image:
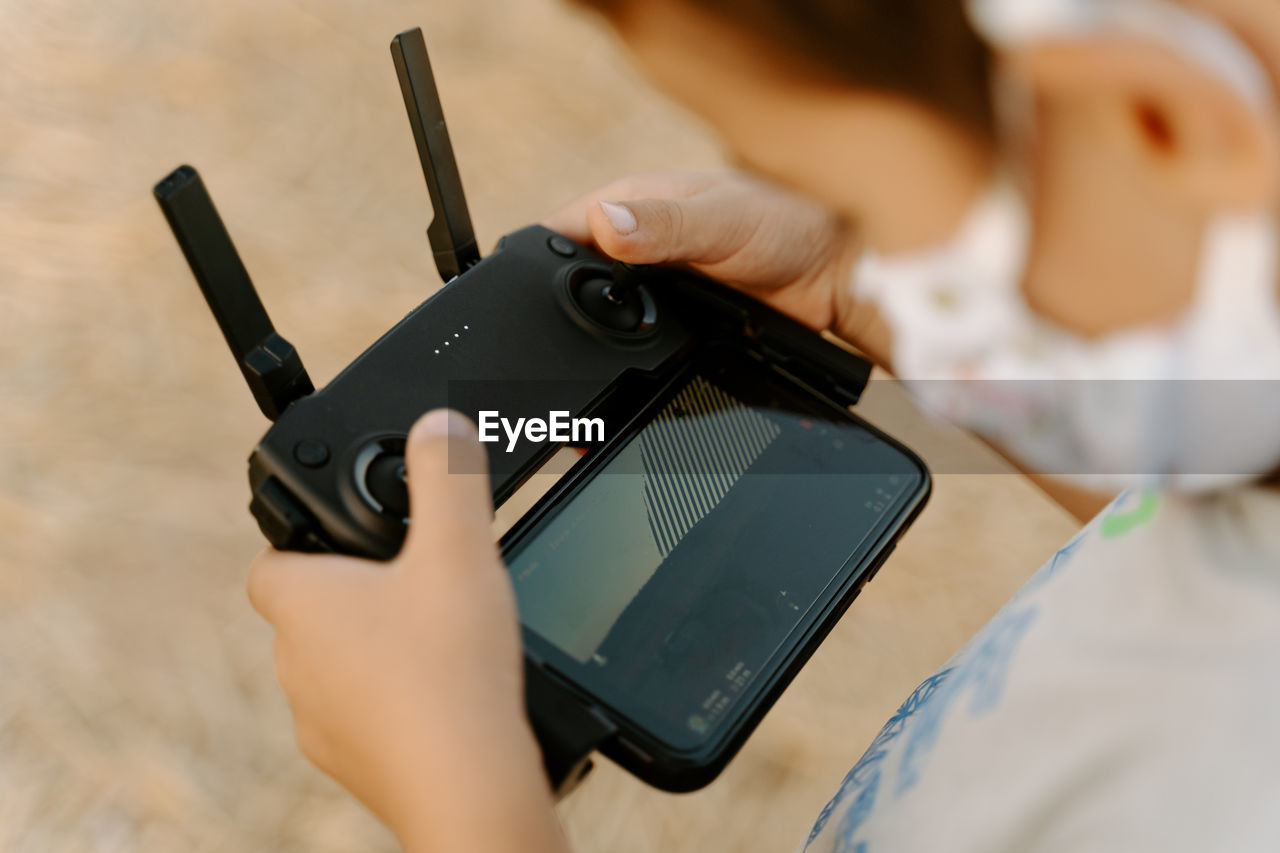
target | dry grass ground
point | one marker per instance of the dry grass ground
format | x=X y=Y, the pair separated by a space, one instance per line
x=137 y=705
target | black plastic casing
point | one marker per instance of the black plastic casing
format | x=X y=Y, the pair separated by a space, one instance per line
x=491 y=339
x=515 y=330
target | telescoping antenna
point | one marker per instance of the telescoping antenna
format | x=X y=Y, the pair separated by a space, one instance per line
x=269 y=363
x=453 y=240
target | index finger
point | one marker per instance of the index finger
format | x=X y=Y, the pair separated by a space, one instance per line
x=271 y=574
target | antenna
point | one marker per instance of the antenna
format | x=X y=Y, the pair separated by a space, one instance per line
x=269 y=363
x=453 y=240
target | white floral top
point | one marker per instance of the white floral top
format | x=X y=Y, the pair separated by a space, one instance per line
x=1127 y=699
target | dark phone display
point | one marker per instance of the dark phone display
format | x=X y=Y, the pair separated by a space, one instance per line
x=672 y=578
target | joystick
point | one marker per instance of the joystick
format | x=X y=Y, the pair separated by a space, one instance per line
x=380 y=478
x=614 y=300
x=386 y=481
x=606 y=303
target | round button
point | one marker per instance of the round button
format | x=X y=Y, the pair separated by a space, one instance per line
x=313 y=454
x=562 y=246
x=387 y=483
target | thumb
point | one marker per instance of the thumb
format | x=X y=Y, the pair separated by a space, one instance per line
x=450 y=501
x=694 y=231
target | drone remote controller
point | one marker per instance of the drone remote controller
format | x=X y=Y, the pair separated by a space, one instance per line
x=541 y=324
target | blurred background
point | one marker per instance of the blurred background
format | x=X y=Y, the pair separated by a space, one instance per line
x=138 y=709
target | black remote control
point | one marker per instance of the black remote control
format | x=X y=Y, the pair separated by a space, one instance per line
x=542 y=324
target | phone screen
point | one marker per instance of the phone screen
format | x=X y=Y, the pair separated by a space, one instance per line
x=719 y=529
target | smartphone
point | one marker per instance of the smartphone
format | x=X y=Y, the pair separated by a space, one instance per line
x=696 y=561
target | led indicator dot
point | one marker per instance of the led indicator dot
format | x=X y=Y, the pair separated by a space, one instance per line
x=446 y=343
x=455 y=334
x=437 y=352
x=466 y=328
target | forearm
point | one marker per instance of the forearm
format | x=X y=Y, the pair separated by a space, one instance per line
x=488 y=800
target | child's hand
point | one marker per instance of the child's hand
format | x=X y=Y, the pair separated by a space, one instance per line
x=406 y=678
x=785 y=249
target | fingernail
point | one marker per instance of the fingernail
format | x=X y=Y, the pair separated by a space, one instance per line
x=446 y=422
x=620 y=217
